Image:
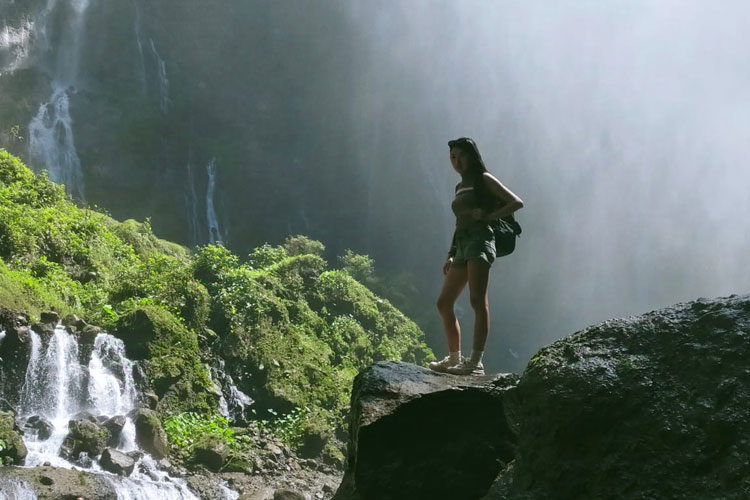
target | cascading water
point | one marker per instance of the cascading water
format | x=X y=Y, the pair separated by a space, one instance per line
x=161 y=78
x=51 y=139
x=214 y=231
x=12 y=488
x=157 y=75
x=55 y=388
x=14 y=45
x=233 y=403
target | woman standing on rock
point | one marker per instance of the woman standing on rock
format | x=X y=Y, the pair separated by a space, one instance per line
x=472 y=253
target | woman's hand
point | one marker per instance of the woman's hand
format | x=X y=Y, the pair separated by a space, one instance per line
x=447 y=265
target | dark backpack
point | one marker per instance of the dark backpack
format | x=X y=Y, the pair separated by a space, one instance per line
x=506 y=229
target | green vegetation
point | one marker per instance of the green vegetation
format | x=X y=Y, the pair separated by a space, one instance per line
x=297 y=331
x=185 y=430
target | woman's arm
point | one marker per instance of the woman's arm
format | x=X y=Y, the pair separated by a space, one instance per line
x=511 y=201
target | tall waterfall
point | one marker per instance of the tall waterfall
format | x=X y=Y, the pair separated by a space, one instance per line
x=57 y=386
x=51 y=138
x=152 y=72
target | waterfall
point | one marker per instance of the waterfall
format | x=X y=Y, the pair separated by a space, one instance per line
x=214 y=232
x=12 y=488
x=110 y=393
x=55 y=388
x=2 y=336
x=51 y=142
x=233 y=403
x=161 y=79
x=159 y=71
x=14 y=45
x=51 y=138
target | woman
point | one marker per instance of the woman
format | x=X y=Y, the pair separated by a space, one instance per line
x=480 y=198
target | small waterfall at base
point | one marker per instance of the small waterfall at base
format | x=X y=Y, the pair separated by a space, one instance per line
x=12 y=488
x=57 y=387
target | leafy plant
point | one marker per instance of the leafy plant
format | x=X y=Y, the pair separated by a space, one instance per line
x=186 y=429
x=288 y=428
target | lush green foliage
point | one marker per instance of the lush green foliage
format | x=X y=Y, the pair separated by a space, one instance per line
x=289 y=428
x=186 y=429
x=296 y=331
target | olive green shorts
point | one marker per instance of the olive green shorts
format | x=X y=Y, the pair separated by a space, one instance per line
x=476 y=242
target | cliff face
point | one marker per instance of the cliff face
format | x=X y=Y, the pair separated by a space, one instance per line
x=231 y=122
x=655 y=407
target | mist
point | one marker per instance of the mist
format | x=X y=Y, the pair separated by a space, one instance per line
x=624 y=127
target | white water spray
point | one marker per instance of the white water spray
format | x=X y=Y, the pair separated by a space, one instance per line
x=54 y=389
x=14 y=45
x=12 y=488
x=51 y=138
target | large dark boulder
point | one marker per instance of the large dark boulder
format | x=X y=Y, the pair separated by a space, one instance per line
x=40 y=426
x=13 y=450
x=418 y=434
x=15 y=351
x=649 y=407
x=114 y=425
x=117 y=462
x=149 y=433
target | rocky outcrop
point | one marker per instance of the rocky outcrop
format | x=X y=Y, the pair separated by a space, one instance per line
x=419 y=434
x=656 y=406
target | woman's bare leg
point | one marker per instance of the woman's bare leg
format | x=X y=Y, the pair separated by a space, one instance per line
x=454 y=283
x=479 y=279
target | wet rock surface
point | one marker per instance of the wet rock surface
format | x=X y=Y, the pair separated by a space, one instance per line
x=117 y=462
x=656 y=406
x=39 y=425
x=149 y=434
x=52 y=483
x=114 y=425
x=85 y=436
x=402 y=416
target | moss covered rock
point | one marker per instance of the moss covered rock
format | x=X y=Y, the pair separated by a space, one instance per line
x=12 y=449
x=172 y=359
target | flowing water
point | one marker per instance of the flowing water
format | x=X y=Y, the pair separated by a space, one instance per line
x=58 y=386
x=214 y=231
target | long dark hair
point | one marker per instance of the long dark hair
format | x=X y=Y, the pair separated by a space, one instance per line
x=475 y=170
